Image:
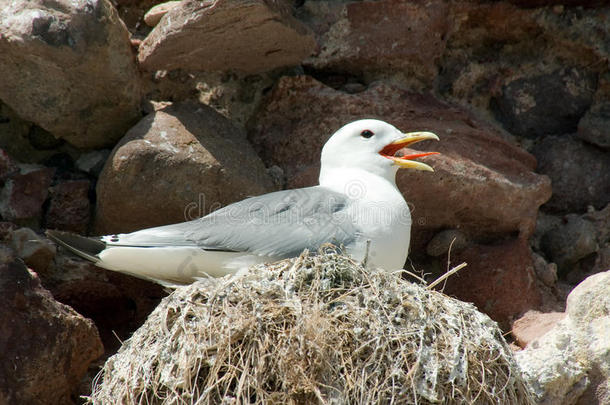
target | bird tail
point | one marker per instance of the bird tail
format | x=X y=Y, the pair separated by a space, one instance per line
x=87 y=248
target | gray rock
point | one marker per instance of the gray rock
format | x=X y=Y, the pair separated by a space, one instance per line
x=579 y=172
x=445 y=240
x=93 y=162
x=67 y=66
x=546 y=272
x=569 y=364
x=548 y=104
x=594 y=127
x=24 y=193
x=569 y=242
x=176 y=164
x=250 y=36
x=35 y=251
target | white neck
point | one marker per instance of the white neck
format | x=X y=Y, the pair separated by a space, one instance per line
x=358 y=183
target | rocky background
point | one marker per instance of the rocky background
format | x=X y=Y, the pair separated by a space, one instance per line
x=110 y=125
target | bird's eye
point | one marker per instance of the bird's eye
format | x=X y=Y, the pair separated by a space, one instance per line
x=366 y=133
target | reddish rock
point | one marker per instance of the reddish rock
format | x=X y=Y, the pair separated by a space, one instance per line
x=482 y=185
x=45 y=347
x=118 y=304
x=534 y=324
x=499 y=280
x=69 y=206
x=23 y=194
x=175 y=165
x=250 y=36
x=68 y=67
x=381 y=36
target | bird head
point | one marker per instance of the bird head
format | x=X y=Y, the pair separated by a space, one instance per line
x=371 y=145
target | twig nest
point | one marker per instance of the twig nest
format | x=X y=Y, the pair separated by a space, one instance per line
x=315 y=329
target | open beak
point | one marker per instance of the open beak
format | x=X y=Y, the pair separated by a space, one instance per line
x=407 y=161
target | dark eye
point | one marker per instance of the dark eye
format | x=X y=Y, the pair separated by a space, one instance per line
x=366 y=133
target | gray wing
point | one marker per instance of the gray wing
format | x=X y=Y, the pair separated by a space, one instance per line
x=279 y=224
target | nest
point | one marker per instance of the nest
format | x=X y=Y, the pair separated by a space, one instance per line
x=315 y=329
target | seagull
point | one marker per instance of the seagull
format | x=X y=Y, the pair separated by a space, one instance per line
x=356 y=205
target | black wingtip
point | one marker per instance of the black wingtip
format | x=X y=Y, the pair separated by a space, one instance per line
x=87 y=248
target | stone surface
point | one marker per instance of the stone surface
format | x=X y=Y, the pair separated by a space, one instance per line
x=175 y=165
x=45 y=347
x=450 y=240
x=8 y=167
x=36 y=252
x=569 y=364
x=594 y=127
x=533 y=324
x=546 y=272
x=572 y=240
x=249 y=36
x=69 y=206
x=154 y=15
x=67 y=66
x=579 y=172
x=378 y=36
x=548 y=104
x=23 y=194
x=499 y=280
x=93 y=162
x=118 y=304
x=482 y=185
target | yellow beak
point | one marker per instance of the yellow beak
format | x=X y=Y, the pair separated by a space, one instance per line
x=407 y=161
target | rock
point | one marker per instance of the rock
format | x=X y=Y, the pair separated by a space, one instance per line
x=379 y=36
x=449 y=240
x=23 y=194
x=548 y=104
x=154 y=15
x=579 y=172
x=93 y=162
x=546 y=272
x=482 y=185
x=250 y=36
x=35 y=251
x=68 y=67
x=69 y=206
x=594 y=127
x=175 y=165
x=8 y=167
x=118 y=304
x=571 y=241
x=46 y=347
x=499 y=280
x=534 y=324
x=569 y=364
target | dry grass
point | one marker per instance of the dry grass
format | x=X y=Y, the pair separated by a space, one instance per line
x=316 y=329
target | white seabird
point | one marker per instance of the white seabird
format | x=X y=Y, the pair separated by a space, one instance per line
x=356 y=205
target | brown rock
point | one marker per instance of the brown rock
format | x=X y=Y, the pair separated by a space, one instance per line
x=534 y=324
x=23 y=194
x=118 y=304
x=35 y=251
x=175 y=165
x=499 y=280
x=69 y=206
x=379 y=36
x=8 y=166
x=482 y=185
x=250 y=36
x=68 y=67
x=45 y=346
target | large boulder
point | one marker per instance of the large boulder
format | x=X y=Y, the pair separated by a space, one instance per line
x=45 y=347
x=569 y=364
x=483 y=185
x=68 y=67
x=176 y=164
x=250 y=36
